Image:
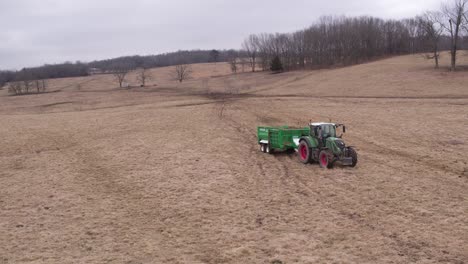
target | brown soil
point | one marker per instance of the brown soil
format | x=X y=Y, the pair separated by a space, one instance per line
x=97 y=174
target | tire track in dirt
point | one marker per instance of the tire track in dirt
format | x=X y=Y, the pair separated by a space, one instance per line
x=79 y=111
x=299 y=188
x=220 y=93
x=108 y=107
x=418 y=159
x=123 y=204
x=346 y=198
x=88 y=80
x=415 y=158
x=265 y=189
x=409 y=249
x=415 y=244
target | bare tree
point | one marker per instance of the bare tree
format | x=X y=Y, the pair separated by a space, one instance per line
x=454 y=19
x=250 y=46
x=44 y=85
x=233 y=64
x=15 y=88
x=243 y=62
x=231 y=91
x=27 y=86
x=414 y=30
x=143 y=76
x=298 y=46
x=25 y=77
x=40 y=85
x=232 y=59
x=182 y=72
x=214 y=54
x=432 y=31
x=120 y=73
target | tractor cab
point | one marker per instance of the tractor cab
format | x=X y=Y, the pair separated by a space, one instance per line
x=324 y=131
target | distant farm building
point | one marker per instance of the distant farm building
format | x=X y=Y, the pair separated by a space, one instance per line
x=94 y=71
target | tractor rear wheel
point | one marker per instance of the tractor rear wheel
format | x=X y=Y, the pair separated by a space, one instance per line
x=326 y=159
x=353 y=154
x=304 y=151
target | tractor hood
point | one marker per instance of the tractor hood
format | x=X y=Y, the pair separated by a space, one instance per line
x=337 y=141
x=334 y=139
x=335 y=144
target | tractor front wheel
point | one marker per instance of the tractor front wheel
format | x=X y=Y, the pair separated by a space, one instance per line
x=304 y=152
x=325 y=159
x=262 y=148
x=353 y=154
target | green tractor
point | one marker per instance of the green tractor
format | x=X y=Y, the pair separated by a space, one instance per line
x=323 y=145
x=317 y=143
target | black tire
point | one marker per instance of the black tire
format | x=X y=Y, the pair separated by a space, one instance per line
x=268 y=149
x=304 y=151
x=325 y=159
x=353 y=154
x=290 y=151
x=262 y=148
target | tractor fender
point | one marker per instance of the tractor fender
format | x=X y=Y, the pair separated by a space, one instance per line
x=308 y=140
x=313 y=143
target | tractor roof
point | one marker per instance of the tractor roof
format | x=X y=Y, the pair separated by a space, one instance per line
x=321 y=124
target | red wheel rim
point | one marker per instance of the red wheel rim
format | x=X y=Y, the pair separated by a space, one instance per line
x=323 y=159
x=303 y=151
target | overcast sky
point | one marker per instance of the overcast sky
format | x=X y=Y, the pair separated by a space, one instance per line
x=35 y=32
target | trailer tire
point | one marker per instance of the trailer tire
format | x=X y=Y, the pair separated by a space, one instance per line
x=304 y=151
x=353 y=154
x=326 y=159
x=268 y=149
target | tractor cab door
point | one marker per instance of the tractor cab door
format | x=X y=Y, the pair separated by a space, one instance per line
x=325 y=131
x=317 y=132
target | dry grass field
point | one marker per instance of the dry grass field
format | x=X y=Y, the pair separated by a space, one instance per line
x=92 y=173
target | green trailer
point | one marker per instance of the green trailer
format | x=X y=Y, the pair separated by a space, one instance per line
x=279 y=138
x=318 y=142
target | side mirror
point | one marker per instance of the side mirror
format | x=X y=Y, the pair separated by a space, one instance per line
x=344 y=129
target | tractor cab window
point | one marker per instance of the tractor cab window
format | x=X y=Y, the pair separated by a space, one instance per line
x=328 y=131
x=315 y=130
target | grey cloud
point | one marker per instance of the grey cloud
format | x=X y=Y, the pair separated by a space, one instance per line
x=52 y=31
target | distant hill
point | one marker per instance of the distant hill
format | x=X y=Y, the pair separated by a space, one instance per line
x=77 y=69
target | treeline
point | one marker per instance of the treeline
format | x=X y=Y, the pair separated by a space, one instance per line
x=110 y=66
x=162 y=60
x=6 y=76
x=345 y=41
x=27 y=87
